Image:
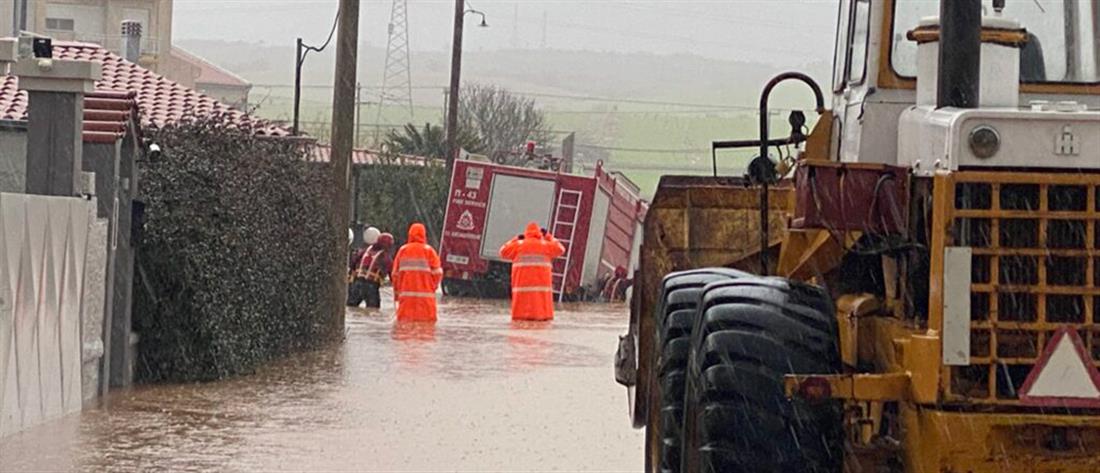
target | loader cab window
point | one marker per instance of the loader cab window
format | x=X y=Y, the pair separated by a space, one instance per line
x=852 y=39
x=861 y=35
x=1063 y=38
x=840 y=56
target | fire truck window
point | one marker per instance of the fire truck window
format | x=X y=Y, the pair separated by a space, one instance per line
x=1063 y=36
x=861 y=32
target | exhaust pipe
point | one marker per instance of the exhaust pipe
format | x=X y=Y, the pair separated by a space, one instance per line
x=960 y=57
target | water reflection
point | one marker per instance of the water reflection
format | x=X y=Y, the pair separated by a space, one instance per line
x=470 y=392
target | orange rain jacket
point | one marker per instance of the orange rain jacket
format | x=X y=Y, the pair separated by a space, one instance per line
x=416 y=276
x=532 y=279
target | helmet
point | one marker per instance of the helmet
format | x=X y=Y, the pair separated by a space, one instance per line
x=370 y=235
x=620 y=272
x=351 y=236
x=385 y=240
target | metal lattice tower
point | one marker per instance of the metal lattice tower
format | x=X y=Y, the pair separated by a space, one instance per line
x=397 y=80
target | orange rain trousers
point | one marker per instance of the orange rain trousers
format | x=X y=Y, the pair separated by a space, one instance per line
x=416 y=276
x=532 y=273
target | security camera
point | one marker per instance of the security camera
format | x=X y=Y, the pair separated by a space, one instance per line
x=154 y=151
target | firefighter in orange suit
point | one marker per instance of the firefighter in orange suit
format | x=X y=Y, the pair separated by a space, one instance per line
x=532 y=255
x=416 y=276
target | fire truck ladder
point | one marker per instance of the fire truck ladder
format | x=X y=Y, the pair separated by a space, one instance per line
x=566 y=215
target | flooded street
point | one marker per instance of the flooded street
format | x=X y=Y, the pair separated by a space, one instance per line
x=473 y=393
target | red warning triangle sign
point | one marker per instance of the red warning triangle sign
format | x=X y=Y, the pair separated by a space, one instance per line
x=1064 y=376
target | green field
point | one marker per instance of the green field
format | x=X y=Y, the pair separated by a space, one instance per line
x=643 y=142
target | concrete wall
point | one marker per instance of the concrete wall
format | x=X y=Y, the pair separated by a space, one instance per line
x=13 y=157
x=94 y=300
x=44 y=267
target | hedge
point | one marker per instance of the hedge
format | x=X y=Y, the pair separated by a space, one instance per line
x=234 y=264
x=393 y=196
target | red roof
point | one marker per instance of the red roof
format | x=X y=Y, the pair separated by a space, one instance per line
x=107 y=115
x=159 y=101
x=359 y=156
x=209 y=73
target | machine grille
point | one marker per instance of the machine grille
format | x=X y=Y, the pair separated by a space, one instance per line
x=1034 y=270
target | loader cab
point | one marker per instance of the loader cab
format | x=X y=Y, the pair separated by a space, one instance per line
x=875 y=65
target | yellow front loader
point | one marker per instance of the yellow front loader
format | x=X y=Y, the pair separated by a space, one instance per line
x=918 y=291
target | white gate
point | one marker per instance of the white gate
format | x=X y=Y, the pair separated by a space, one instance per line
x=43 y=247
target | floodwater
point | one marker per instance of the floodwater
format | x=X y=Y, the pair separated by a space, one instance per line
x=474 y=393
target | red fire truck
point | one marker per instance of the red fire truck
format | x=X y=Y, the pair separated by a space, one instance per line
x=598 y=218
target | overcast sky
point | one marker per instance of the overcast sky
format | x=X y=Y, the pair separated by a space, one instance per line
x=787 y=32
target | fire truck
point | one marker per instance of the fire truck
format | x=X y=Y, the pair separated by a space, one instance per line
x=596 y=217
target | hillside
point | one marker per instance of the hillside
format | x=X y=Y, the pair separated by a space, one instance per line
x=647 y=114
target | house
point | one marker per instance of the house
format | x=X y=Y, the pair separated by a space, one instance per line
x=159 y=101
x=100 y=22
x=192 y=71
x=97 y=21
x=127 y=100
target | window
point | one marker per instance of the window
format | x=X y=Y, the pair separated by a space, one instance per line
x=861 y=33
x=840 y=55
x=60 y=24
x=1062 y=38
x=76 y=22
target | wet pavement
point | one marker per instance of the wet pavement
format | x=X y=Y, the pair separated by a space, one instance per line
x=474 y=393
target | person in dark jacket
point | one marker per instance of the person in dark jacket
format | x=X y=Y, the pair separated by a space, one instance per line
x=373 y=269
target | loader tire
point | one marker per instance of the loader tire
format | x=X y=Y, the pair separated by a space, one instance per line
x=749 y=334
x=675 y=319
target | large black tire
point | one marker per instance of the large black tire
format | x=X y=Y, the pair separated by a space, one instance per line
x=675 y=318
x=749 y=334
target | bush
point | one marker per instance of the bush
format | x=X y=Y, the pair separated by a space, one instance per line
x=392 y=196
x=236 y=255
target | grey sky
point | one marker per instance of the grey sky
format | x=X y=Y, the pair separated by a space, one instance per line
x=786 y=32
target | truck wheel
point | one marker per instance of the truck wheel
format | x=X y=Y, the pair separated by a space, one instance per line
x=675 y=318
x=751 y=333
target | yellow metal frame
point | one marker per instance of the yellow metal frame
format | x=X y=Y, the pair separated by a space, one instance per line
x=937 y=441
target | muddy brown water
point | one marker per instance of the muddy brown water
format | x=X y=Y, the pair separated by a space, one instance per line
x=474 y=393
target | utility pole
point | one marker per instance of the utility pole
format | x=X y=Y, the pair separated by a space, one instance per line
x=456 y=72
x=343 y=135
x=299 y=52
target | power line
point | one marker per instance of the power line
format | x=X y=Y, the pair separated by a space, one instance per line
x=643 y=150
x=580 y=98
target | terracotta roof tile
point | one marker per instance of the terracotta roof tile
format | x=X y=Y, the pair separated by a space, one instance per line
x=159 y=101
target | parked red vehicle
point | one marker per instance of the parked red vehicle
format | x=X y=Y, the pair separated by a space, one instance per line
x=598 y=218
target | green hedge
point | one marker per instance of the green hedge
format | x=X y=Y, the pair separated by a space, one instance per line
x=235 y=258
x=392 y=196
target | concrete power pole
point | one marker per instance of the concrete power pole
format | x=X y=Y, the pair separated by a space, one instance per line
x=456 y=80
x=397 y=78
x=343 y=136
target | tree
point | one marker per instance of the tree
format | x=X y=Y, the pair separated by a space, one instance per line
x=501 y=120
x=429 y=141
